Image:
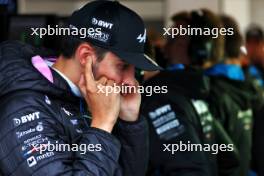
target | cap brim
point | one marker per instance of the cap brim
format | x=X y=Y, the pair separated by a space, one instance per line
x=139 y=60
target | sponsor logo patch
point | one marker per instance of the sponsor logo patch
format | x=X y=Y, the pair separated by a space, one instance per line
x=27 y=118
x=166 y=122
x=102 y=23
x=38 y=128
x=33 y=160
x=33 y=142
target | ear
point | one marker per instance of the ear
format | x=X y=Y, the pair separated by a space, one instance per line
x=84 y=52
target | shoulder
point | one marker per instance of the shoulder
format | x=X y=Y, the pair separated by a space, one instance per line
x=173 y=98
x=26 y=103
x=24 y=99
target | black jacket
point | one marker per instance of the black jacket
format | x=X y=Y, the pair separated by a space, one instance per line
x=35 y=111
x=258 y=143
x=184 y=103
x=254 y=76
x=231 y=102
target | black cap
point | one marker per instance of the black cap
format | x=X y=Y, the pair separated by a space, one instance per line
x=122 y=31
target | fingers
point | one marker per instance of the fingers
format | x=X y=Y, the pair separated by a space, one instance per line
x=112 y=88
x=102 y=81
x=89 y=69
x=89 y=77
x=101 y=84
x=110 y=82
x=82 y=85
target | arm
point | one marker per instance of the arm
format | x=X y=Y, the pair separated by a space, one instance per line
x=29 y=121
x=106 y=108
x=162 y=160
x=228 y=162
x=133 y=137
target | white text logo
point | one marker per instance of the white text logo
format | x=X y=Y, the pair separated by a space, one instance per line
x=26 y=118
x=102 y=23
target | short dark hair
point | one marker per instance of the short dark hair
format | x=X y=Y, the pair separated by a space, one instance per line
x=69 y=44
x=183 y=16
x=233 y=42
x=206 y=48
x=255 y=33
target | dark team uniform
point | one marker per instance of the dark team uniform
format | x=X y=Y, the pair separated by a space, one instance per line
x=254 y=76
x=182 y=115
x=34 y=111
x=258 y=143
x=231 y=101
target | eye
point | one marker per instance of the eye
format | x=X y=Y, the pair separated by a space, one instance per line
x=123 y=66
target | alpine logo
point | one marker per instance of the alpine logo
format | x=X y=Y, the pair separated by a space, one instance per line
x=142 y=37
x=102 y=23
x=26 y=118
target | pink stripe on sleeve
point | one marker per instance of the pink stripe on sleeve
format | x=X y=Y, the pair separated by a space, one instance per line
x=42 y=67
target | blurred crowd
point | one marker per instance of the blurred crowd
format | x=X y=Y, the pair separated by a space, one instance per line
x=215 y=94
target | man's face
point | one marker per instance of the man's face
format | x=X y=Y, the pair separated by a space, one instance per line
x=255 y=51
x=112 y=67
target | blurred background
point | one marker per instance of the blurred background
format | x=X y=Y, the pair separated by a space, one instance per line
x=156 y=14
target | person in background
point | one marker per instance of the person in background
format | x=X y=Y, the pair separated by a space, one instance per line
x=176 y=49
x=177 y=122
x=254 y=67
x=255 y=72
x=182 y=115
x=230 y=99
x=158 y=42
x=151 y=52
x=205 y=51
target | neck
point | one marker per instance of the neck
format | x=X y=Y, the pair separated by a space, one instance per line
x=69 y=68
x=233 y=61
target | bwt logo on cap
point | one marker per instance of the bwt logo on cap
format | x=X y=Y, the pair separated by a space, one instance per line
x=122 y=31
x=102 y=23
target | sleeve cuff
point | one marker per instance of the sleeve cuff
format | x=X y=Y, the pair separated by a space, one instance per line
x=132 y=133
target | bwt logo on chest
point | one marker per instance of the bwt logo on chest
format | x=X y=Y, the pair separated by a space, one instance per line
x=27 y=118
